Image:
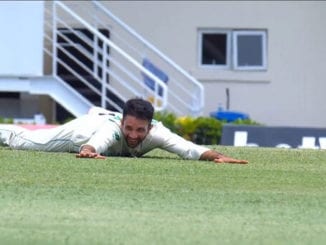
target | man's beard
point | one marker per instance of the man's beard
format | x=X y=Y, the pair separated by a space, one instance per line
x=132 y=143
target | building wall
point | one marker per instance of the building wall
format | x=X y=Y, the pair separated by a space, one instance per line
x=289 y=93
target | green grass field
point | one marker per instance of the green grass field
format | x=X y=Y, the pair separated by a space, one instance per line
x=54 y=198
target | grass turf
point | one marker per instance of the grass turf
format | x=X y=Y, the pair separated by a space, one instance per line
x=54 y=198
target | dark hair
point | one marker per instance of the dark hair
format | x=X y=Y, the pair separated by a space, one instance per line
x=139 y=108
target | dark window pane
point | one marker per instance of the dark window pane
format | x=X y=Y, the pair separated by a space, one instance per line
x=214 y=49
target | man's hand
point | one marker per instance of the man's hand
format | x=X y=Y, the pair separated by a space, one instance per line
x=89 y=152
x=225 y=159
x=217 y=157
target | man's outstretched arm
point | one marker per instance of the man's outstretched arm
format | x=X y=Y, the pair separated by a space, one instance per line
x=88 y=151
x=217 y=157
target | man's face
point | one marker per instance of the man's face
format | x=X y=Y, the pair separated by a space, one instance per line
x=134 y=130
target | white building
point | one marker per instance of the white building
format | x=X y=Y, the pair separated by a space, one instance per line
x=269 y=55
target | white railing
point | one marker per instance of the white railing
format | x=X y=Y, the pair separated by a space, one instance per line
x=124 y=64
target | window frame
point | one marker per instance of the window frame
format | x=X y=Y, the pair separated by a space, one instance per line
x=237 y=33
x=228 y=34
x=232 y=49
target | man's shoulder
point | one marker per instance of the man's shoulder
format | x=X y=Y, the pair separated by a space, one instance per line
x=159 y=128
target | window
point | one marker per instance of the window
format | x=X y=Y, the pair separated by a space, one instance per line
x=249 y=50
x=215 y=48
x=246 y=50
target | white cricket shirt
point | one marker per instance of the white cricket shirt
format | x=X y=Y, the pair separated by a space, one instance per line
x=108 y=140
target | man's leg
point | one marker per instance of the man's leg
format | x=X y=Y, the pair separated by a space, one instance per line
x=7 y=131
x=64 y=138
x=53 y=139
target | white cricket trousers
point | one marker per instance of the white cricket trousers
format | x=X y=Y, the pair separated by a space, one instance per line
x=64 y=138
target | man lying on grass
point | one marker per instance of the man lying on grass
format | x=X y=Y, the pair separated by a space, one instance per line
x=104 y=133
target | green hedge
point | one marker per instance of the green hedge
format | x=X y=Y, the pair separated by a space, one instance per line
x=6 y=120
x=200 y=130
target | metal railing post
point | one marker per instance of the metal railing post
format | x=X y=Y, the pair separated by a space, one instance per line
x=54 y=39
x=103 y=84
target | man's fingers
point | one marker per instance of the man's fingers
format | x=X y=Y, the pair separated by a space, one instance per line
x=80 y=155
x=99 y=156
x=230 y=160
x=90 y=155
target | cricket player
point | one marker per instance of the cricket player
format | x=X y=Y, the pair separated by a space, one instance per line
x=103 y=133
